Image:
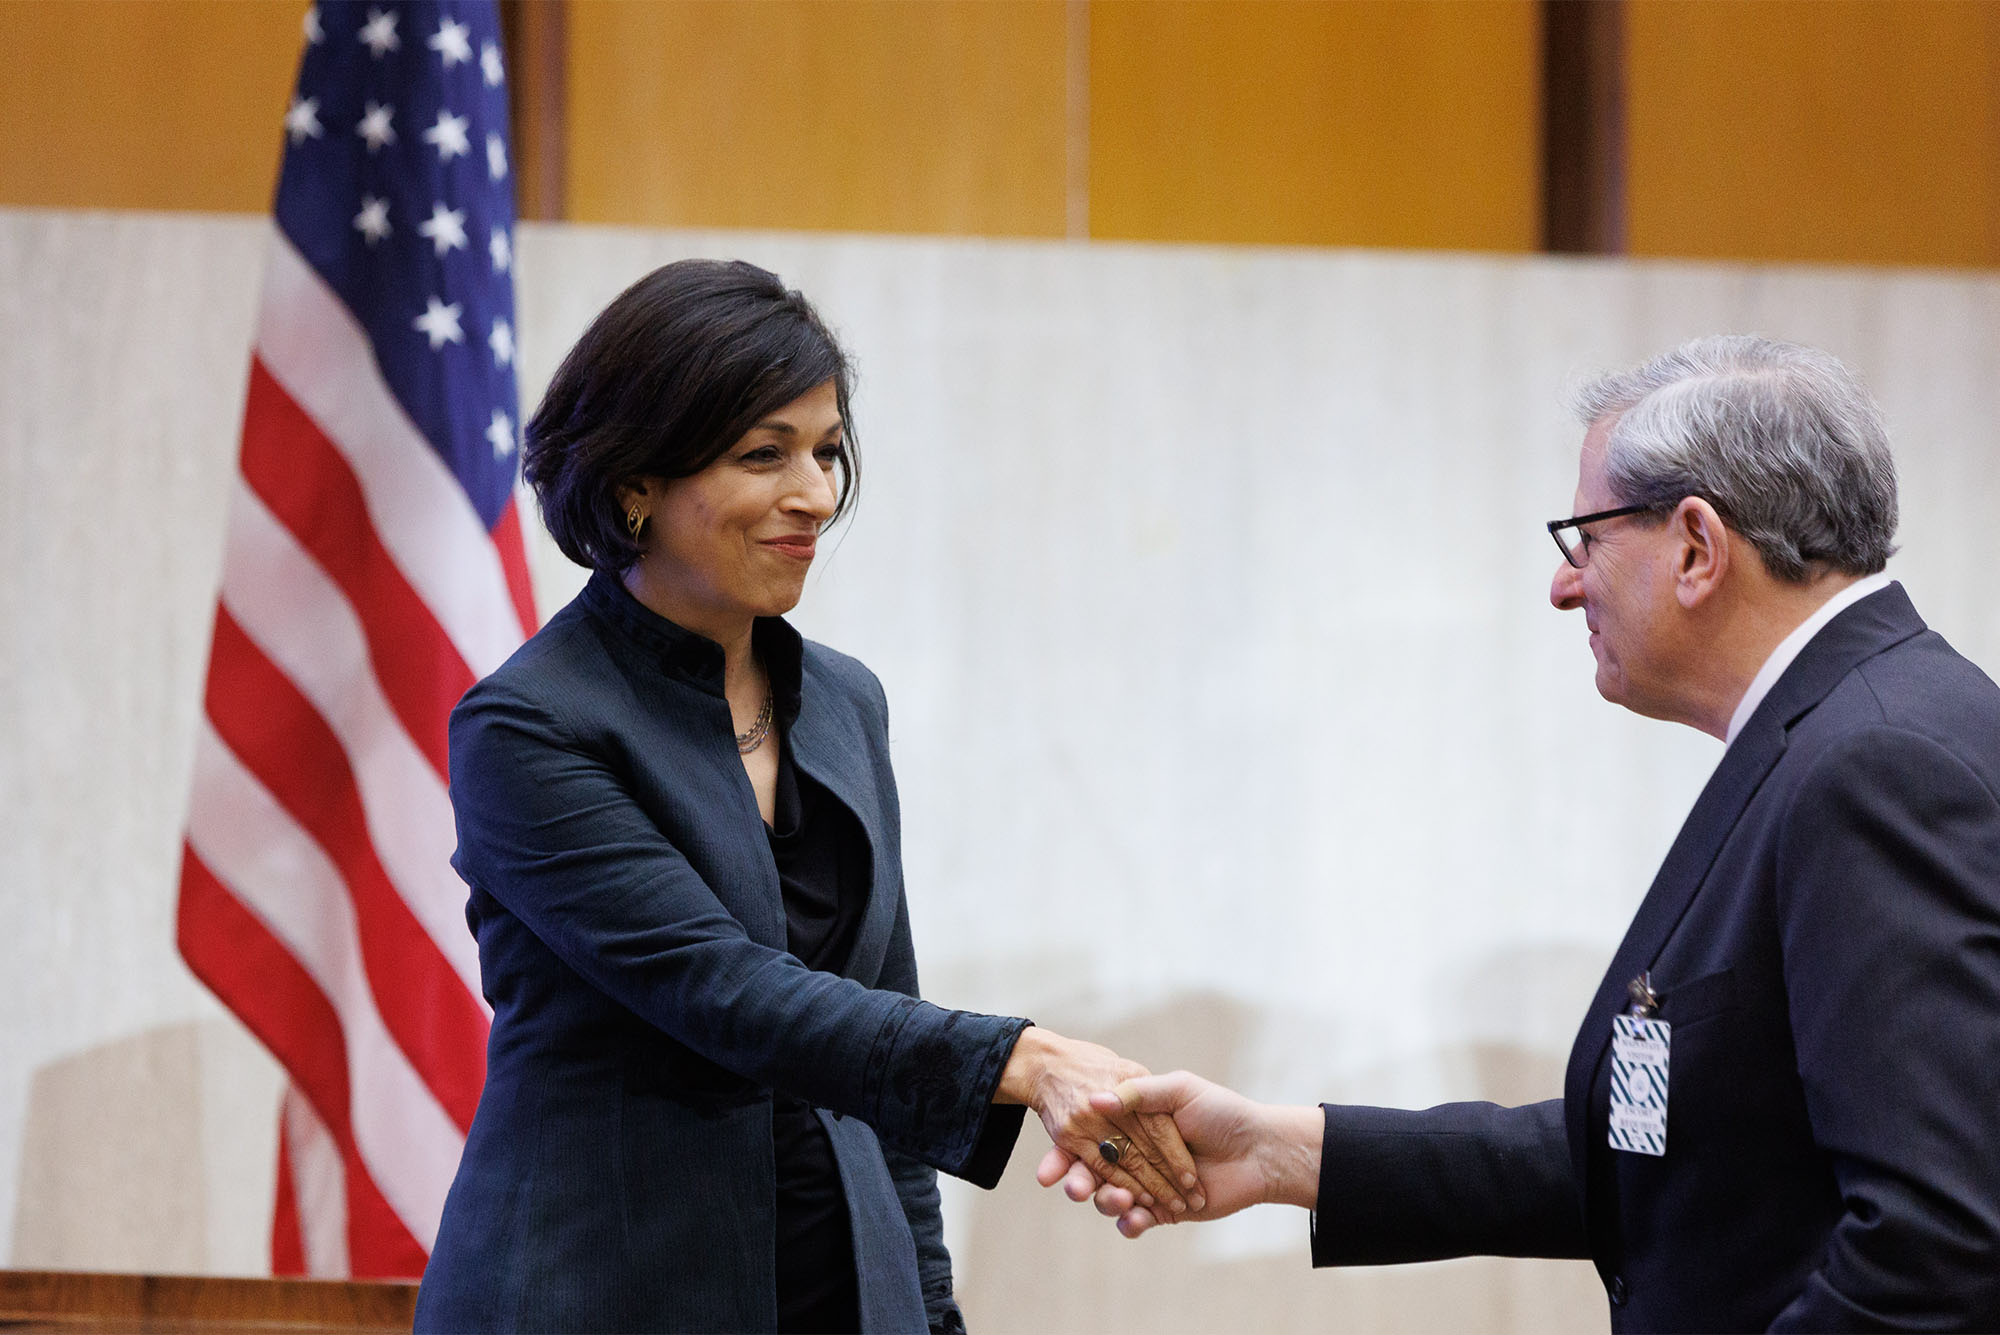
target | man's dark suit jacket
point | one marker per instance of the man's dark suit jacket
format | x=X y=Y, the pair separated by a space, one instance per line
x=618 y=1175
x=1825 y=938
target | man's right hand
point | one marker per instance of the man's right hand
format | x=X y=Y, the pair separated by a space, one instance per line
x=1247 y=1153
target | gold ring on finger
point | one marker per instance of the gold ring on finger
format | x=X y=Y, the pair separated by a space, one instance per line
x=1114 y=1148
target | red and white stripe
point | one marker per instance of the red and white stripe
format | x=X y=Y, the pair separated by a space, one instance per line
x=361 y=595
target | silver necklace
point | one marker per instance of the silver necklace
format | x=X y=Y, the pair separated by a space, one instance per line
x=749 y=741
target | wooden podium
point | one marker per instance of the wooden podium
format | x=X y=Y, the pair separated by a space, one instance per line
x=73 y=1302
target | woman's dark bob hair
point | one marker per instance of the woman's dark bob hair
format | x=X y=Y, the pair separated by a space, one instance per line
x=665 y=380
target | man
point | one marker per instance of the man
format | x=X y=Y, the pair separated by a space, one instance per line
x=1797 y=1122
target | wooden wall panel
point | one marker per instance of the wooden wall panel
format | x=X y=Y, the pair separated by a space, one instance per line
x=869 y=115
x=1840 y=130
x=175 y=104
x=1370 y=122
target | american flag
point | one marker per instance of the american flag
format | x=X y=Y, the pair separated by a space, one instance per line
x=373 y=570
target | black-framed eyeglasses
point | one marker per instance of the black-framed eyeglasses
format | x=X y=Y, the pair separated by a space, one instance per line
x=1576 y=550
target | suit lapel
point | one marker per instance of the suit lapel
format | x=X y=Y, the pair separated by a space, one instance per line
x=1715 y=814
x=828 y=744
x=1875 y=623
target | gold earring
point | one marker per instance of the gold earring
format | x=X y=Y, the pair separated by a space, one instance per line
x=634 y=521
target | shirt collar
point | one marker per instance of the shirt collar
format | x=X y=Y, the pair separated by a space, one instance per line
x=1789 y=648
x=695 y=657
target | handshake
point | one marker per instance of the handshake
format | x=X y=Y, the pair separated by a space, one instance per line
x=1159 y=1149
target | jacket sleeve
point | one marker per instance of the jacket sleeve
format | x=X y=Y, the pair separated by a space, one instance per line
x=1463 y=1179
x=549 y=831
x=916 y=1183
x=1889 y=904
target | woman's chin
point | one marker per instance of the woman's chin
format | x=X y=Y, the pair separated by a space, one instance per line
x=776 y=602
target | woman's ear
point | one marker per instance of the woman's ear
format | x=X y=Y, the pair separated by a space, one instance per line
x=635 y=506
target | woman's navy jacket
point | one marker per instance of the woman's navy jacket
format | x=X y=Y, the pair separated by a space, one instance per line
x=619 y=1174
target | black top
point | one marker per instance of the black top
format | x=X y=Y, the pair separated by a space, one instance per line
x=822 y=859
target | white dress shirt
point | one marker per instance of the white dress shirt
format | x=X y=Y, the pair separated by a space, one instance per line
x=1789 y=647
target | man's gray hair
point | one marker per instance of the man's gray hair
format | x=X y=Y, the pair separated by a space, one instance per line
x=1782 y=440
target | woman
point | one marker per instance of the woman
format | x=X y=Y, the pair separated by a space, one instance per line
x=713 y=1101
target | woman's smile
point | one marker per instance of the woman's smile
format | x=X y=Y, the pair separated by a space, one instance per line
x=797 y=546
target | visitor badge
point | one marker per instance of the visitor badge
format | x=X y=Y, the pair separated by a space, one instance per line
x=1639 y=1084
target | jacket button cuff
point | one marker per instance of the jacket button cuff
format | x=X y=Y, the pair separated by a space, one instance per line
x=1616 y=1288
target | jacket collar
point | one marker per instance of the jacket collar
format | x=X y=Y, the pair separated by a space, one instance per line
x=1870 y=626
x=695 y=658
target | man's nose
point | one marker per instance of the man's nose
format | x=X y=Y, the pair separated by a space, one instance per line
x=1566 y=589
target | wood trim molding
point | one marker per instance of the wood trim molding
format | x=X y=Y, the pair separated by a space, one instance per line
x=79 y=1301
x=1583 y=126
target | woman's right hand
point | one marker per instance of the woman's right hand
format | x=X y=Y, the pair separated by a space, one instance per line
x=1056 y=1077
x=1248 y=1153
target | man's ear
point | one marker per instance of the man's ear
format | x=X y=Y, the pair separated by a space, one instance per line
x=1703 y=556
